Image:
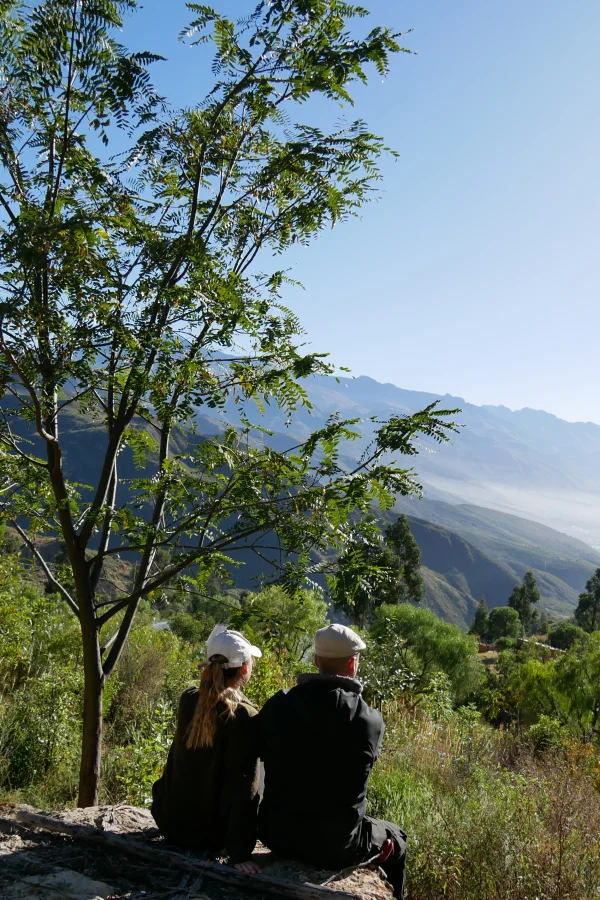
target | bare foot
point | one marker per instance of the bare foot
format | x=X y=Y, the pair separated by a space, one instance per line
x=248 y=868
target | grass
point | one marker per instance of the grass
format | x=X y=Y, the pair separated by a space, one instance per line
x=488 y=818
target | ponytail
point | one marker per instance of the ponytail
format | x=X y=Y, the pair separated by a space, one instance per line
x=212 y=691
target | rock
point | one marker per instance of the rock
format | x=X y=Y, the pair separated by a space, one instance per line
x=138 y=823
x=121 y=819
x=368 y=884
x=61 y=884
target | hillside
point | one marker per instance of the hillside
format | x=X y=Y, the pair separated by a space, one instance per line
x=467 y=550
x=527 y=462
x=561 y=564
x=458 y=570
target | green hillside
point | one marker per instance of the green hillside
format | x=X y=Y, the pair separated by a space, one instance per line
x=466 y=550
x=508 y=544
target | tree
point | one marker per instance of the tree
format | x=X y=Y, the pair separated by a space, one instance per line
x=425 y=645
x=479 y=625
x=587 y=614
x=287 y=622
x=130 y=299
x=392 y=573
x=565 y=635
x=399 y=538
x=543 y=624
x=566 y=689
x=523 y=600
x=503 y=622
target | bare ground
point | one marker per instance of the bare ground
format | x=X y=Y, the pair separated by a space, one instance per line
x=40 y=864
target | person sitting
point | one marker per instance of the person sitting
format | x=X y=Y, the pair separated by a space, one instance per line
x=207 y=797
x=318 y=742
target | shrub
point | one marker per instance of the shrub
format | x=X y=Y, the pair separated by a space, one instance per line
x=546 y=734
x=481 y=830
x=505 y=643
x=422 y=643
x=565 y=635
x=285 y=622
x=130 y=771
x=40 y=735
x=268 y=677
x=155 y=666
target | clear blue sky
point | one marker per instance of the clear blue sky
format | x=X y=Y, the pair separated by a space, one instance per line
x=477 y=272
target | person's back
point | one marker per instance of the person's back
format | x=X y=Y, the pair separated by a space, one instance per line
x=319 y=742
x=207 y=796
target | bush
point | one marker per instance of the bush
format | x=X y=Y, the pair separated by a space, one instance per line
x=420 y=642
x=155 y=666
x=40 y=734
x=546 y=734
x=505 y=643
x=480 y=829
x=268 y=677
x=285 y=622
x=565 y=635
x=130 y=772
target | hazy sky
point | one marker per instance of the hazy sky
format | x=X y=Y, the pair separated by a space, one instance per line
x=477 y=272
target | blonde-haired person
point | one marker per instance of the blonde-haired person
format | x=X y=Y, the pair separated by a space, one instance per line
x=207 y=797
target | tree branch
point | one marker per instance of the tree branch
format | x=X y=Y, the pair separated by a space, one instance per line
x=28 y=385
x=53 y=581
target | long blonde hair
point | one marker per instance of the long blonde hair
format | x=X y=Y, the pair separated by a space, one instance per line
x=213 y=690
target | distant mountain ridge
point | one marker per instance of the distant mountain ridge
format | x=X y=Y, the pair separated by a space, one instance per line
x=464 y=547
x=513 y=491
x=527 y=462
x=468 y=547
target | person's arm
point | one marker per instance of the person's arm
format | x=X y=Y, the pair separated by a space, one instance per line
x=240 y=791
x=378 y=730
x=369 y=724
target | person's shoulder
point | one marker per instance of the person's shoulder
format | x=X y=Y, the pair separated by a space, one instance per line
x=273 y=703
x=189 y=697
x=358 y=706
x=246 y=709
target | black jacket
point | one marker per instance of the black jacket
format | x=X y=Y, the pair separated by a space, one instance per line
x=318 y=742
x=207 y=799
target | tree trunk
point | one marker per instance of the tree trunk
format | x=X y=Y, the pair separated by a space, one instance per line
x=91 y=745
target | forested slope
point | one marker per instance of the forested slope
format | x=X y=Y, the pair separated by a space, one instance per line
x=466 y=550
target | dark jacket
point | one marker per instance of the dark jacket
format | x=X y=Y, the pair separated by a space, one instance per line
x=318 y=742
x=207 y=799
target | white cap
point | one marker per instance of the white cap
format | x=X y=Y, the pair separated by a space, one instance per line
x=337 y=642
x=232 y=645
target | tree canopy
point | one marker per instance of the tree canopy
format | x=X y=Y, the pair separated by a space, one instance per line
x=418 y=644
x=523 y=600
x=587 y=614
x=565 y=635
x=132 y=297
x=390 y=572
x=503 y=622
x=480 y=623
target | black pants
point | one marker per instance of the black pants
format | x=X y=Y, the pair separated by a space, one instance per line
x=377 y=831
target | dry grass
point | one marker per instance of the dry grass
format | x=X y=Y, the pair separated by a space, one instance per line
x=489 y=820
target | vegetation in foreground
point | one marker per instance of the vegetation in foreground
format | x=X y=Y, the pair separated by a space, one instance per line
x=495 y=774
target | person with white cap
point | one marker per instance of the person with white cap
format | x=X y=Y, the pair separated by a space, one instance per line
x=318 y=742
x=207 y=797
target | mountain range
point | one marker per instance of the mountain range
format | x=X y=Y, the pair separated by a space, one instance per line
x=528 y=462
x=512 y=491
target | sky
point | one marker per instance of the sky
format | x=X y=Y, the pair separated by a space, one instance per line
x=477 y=270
